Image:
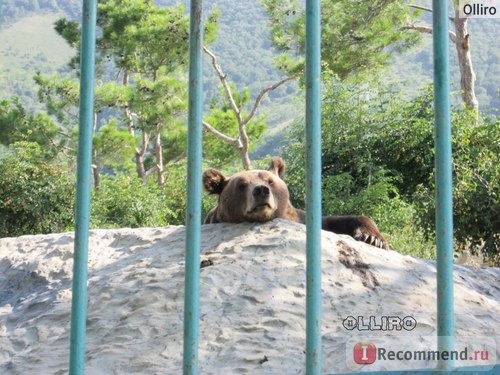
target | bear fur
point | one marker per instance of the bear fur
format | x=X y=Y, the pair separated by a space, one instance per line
x=261 y=196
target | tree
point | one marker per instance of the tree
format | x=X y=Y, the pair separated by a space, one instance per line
x=357 y=36
x=462 y=41
x=150 y=44
x=144 y=48
x=235 y=103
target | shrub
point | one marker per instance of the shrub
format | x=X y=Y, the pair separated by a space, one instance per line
x=35 y=196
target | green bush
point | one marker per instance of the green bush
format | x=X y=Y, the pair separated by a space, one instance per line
x=476 y=182
x=124 y=201
x=35 y=196
x=127 y=201
x=378 y=160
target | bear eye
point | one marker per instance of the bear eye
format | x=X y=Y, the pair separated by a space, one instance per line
x=270 y=181
x=242 y=186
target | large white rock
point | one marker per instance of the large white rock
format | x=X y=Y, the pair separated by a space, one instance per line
x=252 y=303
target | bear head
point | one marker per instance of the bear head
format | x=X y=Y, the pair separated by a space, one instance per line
x=251 y=196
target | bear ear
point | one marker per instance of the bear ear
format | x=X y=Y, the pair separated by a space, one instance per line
x=214 y=181
x=277 y=166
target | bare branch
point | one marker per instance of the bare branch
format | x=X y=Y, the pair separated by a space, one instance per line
x=233 y=141
x=150 y=171
x=174 y=161
x=261 y=96
x=225 y=84
x=428 y=30
x=420 y=28
x=419 y=7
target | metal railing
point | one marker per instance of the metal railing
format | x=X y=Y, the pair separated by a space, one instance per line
x=83 y=181
x=444 y=227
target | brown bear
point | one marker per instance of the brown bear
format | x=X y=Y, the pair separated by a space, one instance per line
x=261 y=196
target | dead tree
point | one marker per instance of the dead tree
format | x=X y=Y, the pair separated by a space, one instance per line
x=461 y=38
x=242 y=142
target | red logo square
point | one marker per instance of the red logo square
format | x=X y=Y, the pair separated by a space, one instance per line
x=365 y=353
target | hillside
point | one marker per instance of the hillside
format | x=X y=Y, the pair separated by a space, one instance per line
x=13 y=10
x=27 y=46
x=28 y=43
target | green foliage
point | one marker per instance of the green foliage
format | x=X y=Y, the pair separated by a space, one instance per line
x=148 y=47
x=381 y=201
x=378 y=160
x=125 y=201
x=114 y=147
x=246 y=55
x=69 y=30
x=135 y=33
x=111 y=94
x=17 y=125
x=345 y=195
x=477 y=185
x=38 y=197
x=356 y=36
x=159 y=101
x=405 y=142
x=377 y=147
x=35 y=196
x=61 y=98
x=476 y=182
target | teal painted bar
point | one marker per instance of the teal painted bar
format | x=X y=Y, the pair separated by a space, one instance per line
x=443 y=165
x=193 y=215
x=83 y=179
x=313 y=187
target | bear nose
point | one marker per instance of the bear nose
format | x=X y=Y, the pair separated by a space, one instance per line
x=260 y=191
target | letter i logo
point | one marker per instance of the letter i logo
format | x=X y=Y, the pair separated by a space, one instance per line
x=365 y=353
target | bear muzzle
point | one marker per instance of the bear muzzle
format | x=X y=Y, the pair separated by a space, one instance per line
x=260 y=201
x=260 y=191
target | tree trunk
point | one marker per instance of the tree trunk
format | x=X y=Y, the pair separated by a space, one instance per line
x=126 y=109
x=467 y=75
x=95 y=164
x=139 y=151
x=139 y=157
x=97 y=175
x=461 y=39
x=159 y=157
x=245 y=159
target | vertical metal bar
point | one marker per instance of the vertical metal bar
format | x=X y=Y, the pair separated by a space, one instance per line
x=82 y=214
x=193 y=215
x=1 y=6
x=443 y=165
x=313 y=187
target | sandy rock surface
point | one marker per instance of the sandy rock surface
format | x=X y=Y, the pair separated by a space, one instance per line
x=252 y=303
